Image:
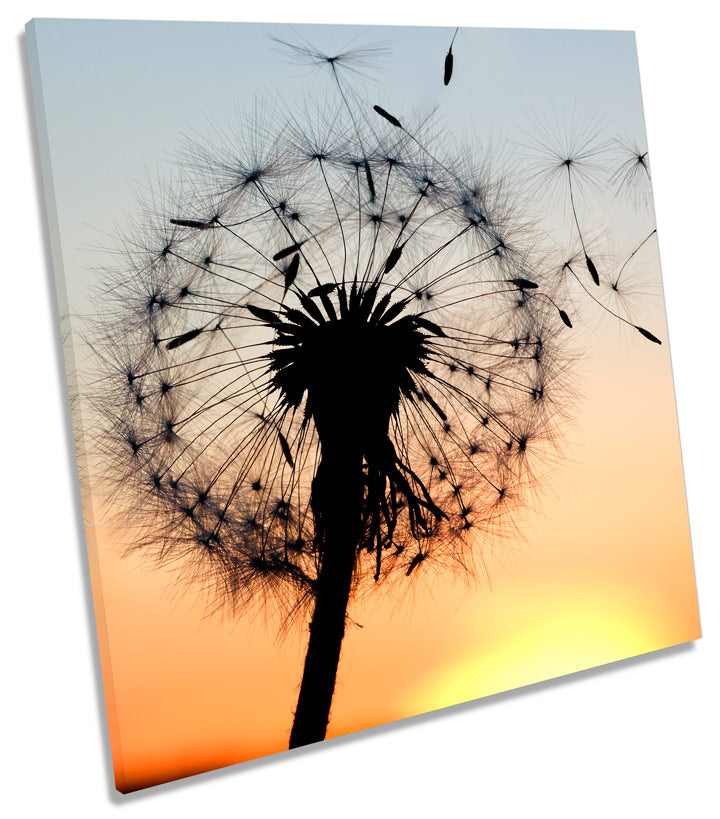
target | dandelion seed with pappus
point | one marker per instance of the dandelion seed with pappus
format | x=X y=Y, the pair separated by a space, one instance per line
x=631 y=174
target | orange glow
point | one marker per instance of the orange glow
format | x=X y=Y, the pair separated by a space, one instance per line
x=604 y=572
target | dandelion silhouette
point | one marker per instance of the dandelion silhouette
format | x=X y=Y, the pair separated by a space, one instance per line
x=330 y=365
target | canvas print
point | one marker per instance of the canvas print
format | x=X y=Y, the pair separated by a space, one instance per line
x=368 y=370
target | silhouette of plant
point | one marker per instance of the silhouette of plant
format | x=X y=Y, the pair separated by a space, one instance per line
x=330 y=358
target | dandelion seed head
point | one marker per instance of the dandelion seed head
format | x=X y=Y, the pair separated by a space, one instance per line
x=357 y=293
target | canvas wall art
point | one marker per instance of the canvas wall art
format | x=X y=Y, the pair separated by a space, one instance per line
x=368 y=371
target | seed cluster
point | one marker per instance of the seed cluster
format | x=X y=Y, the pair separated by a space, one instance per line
x=348 y=286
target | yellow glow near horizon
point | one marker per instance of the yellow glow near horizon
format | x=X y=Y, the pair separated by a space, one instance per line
x=575 y=634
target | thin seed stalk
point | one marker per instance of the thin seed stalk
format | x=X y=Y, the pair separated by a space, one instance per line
x=337 y=507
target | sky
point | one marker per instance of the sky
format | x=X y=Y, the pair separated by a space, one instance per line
x=603 y=570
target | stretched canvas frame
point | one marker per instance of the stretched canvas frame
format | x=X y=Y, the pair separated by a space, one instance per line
x=530 y=516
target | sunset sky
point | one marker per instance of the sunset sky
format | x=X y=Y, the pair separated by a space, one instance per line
x=603 y=569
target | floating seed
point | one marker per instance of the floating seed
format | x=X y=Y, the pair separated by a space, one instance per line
x=592 y=269
x=448 y=67
x=648 y=335
x=389 y=117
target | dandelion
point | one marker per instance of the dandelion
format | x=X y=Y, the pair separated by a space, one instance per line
x=330 y=362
